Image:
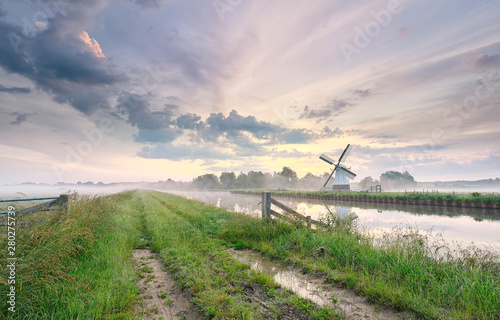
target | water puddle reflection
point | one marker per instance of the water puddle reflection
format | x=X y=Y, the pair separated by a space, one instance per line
x=314 y=289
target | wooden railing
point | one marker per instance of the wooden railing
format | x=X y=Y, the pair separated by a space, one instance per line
x=57 y=202
x=267 y=201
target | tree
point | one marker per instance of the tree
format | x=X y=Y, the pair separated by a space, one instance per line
x=311 y=181
x=206 y=181
x=227 y=180
x=367 y=182
x=289 y=176
x=256 y=179
x=397 y=180
x=241 y=181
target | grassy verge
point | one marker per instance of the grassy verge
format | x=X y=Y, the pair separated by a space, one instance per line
x=401 y=271
x=403 y=197
x=72 y=266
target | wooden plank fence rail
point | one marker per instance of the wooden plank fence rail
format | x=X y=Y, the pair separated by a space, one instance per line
x=267 y=211
x=57 y=202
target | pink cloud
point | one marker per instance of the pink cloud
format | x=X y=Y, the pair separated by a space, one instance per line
x=92 y=44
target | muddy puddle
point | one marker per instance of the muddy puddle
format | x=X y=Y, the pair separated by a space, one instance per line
x=355 y=306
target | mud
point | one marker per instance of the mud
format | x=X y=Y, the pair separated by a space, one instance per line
x=159 y=297
x=316 y=289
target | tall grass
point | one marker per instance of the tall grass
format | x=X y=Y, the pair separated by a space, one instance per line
x=73 y=265
x=402 y=269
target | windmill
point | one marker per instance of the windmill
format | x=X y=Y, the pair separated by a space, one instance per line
x=342 y=174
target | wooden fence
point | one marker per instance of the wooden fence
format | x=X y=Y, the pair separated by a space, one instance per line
x=267 y=212
x=57 y=202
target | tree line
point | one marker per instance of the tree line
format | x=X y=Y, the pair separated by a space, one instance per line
x=287 y=178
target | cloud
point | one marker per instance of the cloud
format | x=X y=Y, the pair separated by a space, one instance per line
x=187 y=121
x=292 y=136
x=92 y=44
x=60 y=59
x=151 y=4
x=14 y=89
x=362 y=93
x=20 y=118
x=314 y=114
x=487 y=61
x=326 y=132
x=154 y=123
x=334 y=108
x=244 y=136
x=234 y=124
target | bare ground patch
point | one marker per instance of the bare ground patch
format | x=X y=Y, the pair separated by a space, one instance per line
x=159 y=297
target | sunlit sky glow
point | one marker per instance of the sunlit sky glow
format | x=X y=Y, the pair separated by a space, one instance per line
x=146 y=90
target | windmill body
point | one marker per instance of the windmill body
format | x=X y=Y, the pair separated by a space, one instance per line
x=341 y=181
x=342 y=174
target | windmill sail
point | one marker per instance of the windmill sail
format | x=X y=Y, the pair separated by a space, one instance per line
x=342 y=174
x=351 y=175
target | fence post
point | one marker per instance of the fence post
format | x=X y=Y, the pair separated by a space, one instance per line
x=266 y=205
x=308 y=221
x=63 y=202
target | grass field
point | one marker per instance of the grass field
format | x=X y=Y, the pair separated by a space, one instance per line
x=78 y=265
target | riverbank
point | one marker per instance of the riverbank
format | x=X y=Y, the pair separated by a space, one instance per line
x=473 y=200
x=79 y=265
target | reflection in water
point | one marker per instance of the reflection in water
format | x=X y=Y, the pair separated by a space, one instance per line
x=458 y=225
x=301 y=284
x=354 y=306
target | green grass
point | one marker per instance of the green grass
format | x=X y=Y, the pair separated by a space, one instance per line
x=401 y=271
x=75 y=265
x=183 y=232
x=474 y=197
x=78 y=265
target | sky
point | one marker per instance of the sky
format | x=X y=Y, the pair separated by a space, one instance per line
x=147 y=90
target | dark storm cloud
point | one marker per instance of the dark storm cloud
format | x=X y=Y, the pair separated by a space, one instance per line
x=234 y=124
x=14 y=89
x=154 y=123
x=58 y=61
x=245 y=136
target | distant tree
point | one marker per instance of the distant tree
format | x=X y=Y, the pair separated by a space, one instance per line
x=241 y=181
x=367 y=182
x=256 y=179
x=206 y=181
x=311 y=181
x=397 y=180
x=227 y=180
x=290 y=176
